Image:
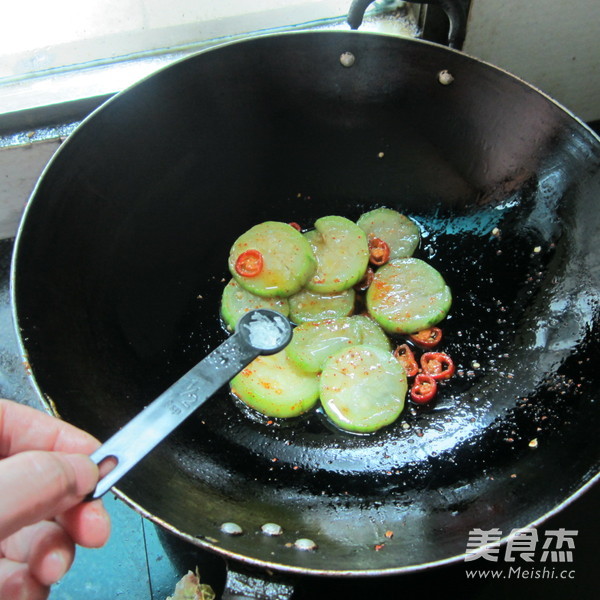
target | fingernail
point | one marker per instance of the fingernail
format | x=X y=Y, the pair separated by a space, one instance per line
x=55 y=566
x=99 y=523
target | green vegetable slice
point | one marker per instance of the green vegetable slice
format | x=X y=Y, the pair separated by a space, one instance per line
x=399 y=232
x=275 y=387
x=288 y=261
x=314 y=342
x=371 y=334
x=236 y=302
x=363 y=388
x=310 y=306
x=342 y=252
x=408 y=295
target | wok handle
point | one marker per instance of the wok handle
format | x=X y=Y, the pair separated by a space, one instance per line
x=454 y=9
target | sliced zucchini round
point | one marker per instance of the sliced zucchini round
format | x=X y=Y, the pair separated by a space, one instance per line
x=342 y=252
x=408 y=295
x=310 y=306
x=371 y=334
x=314 y=342
x=287 y=260
x=275 y=387
x=399 y=232
x=236 y=302
x=363 y=388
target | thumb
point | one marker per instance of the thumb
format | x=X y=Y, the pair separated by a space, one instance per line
x=39 y=485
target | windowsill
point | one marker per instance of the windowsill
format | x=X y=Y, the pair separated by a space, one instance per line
x=72 y=94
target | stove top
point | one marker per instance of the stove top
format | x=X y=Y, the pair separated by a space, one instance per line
x=143 y=562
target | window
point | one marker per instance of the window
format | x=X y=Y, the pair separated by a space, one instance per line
x=63 y=51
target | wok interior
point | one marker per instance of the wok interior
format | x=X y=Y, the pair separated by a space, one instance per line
x=121 y=261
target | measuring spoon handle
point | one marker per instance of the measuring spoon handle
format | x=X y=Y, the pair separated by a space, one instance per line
x=138 y=437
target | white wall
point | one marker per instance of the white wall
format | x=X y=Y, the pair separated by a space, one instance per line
x=552 y=44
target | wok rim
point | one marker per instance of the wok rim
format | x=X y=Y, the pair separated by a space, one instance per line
x=350 y=573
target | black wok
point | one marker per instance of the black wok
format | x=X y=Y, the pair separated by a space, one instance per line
x=121 y=259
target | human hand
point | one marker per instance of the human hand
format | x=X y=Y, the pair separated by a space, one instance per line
x=45 y=472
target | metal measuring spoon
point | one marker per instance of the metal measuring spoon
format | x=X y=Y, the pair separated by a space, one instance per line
x=258 y=332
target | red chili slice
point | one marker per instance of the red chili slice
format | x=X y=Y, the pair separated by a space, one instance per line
x=379 y=251
x=366 y=281
x=427 y=338
x=296 y=226
x=423 y=389
x=249 y=263
x=437 y=365
x=407 y=359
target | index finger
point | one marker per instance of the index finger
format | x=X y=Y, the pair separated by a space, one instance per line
x=25 y=428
